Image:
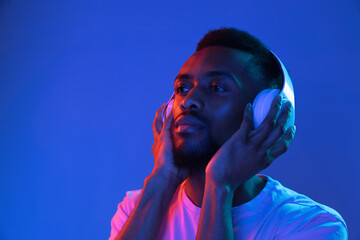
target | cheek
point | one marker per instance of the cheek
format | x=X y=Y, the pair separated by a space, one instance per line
x=176 y=109
x=226 y=124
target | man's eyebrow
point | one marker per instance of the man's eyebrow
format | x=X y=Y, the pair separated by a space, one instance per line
x=220 y=74
x=182 y=76
x=209 y=74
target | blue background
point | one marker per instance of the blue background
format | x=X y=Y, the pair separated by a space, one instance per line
x=80 y=82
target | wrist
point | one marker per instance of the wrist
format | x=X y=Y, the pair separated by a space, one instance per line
x=221 y=188
x=164 y=178
x=218 y=181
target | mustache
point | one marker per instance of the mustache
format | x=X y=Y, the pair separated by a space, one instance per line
x=193 y=114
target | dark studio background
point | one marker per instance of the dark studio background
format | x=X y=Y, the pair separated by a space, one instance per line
x=80 y=82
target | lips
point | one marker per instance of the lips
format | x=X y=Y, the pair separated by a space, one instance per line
x=188 y=124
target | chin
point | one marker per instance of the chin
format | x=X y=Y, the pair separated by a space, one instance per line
x=193 y=153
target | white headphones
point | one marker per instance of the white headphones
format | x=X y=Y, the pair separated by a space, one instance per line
x=263 y=100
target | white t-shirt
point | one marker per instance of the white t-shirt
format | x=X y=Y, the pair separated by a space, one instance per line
x=275 y=213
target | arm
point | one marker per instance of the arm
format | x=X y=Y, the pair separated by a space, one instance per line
x=243 y=155
x=215 y=218
x=146 y=218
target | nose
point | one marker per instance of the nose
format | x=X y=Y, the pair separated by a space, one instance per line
x=193 y=101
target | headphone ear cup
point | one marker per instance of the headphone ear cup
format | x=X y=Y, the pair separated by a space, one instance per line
x=167 y=109
x=262 y=104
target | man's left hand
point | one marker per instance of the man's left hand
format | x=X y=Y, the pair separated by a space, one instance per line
x=249 y=150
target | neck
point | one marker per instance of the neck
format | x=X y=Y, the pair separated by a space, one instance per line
x=195 y=183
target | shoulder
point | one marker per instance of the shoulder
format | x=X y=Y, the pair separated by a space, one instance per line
x=299 y=221
x=129 y=201
x=123 y=212
x=299 y=216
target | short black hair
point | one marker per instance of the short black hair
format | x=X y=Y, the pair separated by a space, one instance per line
x=238 y=39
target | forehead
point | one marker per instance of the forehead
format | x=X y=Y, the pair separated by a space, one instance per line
x=220 y=59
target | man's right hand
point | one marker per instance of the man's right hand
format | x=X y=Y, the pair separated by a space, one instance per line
x=162 y=149
x=159 y=188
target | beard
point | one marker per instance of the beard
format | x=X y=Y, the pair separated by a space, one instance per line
x=193 y=155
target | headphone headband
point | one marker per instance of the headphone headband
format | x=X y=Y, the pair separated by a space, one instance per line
x=287 y=89
x=263 y=100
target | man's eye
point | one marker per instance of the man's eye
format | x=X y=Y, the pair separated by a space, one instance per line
x=181 y=89
x=216 y=88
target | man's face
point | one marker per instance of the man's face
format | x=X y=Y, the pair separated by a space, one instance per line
x=211 y=91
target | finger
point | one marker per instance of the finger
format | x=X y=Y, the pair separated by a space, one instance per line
x=262 y=132
x=280 y=127
x=247 y=123
x=167 y=123
x=157 y=123
x=282 y=146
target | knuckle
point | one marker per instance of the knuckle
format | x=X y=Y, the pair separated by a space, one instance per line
x=285 y=147
x=253 y=148
x=288 y=112
x=262 y=154
x=282 y=130
x=278 y=100
x=271 y=123
x=288 y=107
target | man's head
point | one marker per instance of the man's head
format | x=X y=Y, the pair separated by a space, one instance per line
x=228 y=69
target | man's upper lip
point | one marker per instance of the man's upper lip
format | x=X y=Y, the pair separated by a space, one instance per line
x=189 y=120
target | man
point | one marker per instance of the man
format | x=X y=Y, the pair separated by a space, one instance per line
x=207 y=156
